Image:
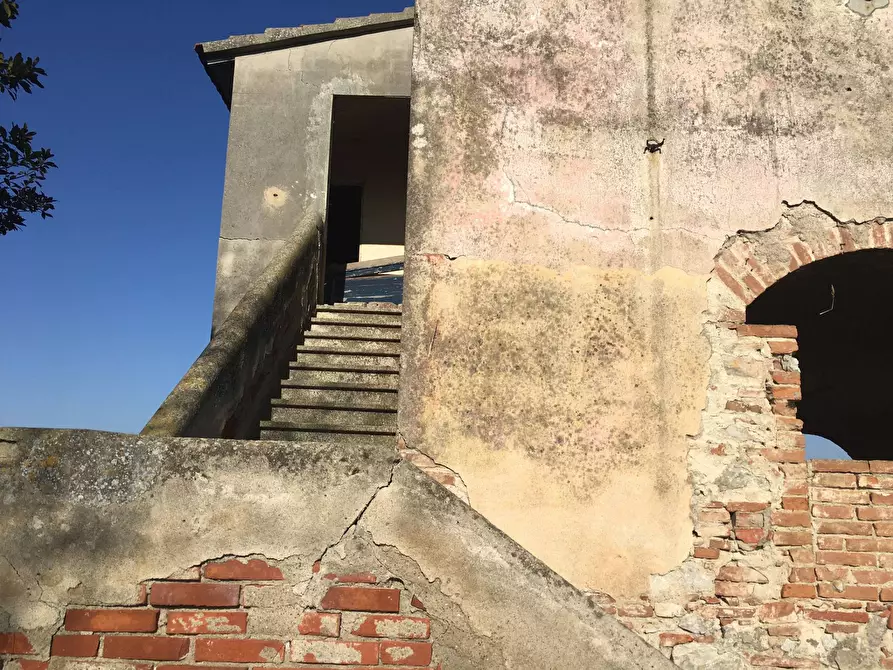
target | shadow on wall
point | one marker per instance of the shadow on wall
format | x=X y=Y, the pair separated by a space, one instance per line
x=822 y=447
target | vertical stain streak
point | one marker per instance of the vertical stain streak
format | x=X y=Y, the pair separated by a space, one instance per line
x=655 y=242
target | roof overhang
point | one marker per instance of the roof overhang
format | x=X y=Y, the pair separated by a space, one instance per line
x=219 y=57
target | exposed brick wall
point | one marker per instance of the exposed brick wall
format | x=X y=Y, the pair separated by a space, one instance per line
x=241 y=614
x=791 y=562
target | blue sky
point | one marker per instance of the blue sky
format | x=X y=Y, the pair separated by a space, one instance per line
x=105 y=306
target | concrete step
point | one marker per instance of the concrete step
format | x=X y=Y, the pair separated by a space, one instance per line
x=362 y=308
x=334 y=397
x=320 y=378
x=376 y=347
x=336 y=418
x=345 y=362
x=270 y=430
x=371 y=318
x=353 y=329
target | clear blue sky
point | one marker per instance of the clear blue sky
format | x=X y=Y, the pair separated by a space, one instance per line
x=105 y=306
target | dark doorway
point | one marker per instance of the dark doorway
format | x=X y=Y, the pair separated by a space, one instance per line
x=342 y=237
x=366 y=218
x=843 y=309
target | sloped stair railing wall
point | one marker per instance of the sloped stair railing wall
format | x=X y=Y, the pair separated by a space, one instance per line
x=227 y=388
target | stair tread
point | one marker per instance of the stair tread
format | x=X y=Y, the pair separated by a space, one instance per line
x=334 y=367
x=323 y=351
x=325 y=428
x=359 y=338
x=346 y=407
x=316 y=321
x=335 y=386
x=362 y=308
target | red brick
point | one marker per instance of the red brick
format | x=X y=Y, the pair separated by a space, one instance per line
x=802 y=555
x=112 y=621
x=786 y=392
x=875 y=482
x=760 y=330
x=885 y=560
x=882 y=498
x=845 y=558
x=418 y=604
x=749 y=520
x=788 y=423
x=795 y=503
x=203 y=666
x=172 y=594
x=790 y=519
x=776 y=611
x=780 y=347
x=875 y=513
x=881 y=466
x=358 y=599
x=75 y=645
x=836 y=465
x=224 y=650
x=395 y=653
x=886 y=595
x=842 y=628
x=335 y=652
x=802 y=575
x=15 y=643
x=834 y=615
x=740 y=573
x=28 y=664
x=733 y=589
x=714 y=516
x=869 y=544
x=792 y=538
x=706 y=552
x=848 y=592
x=831 y=542
x=195 y=623
x=790 y=630
x=835 y=480
x=796 y=488
x=636 y=610
x=842 y=496
x=798 y=591
x=324 y=624
x=750 y=535
x=735 y=286
x=144 y=647
x=883 y=529
x=399 y=627
x=673 y=639
x=785 y=377
x=845 y=528
x=746 y=506
x=833 y=511
x=236 y=569
x=784 y=455
x=873 y=576
x=784 y=408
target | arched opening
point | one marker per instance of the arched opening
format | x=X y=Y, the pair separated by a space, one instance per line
x=843 y=309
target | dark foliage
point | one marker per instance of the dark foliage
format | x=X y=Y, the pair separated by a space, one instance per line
x=22 y=167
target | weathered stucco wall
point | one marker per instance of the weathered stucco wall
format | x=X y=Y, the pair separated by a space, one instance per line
x=556 y=286
x=100 y=520
x=278 y=153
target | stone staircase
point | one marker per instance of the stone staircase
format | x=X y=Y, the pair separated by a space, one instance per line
x=342 y=384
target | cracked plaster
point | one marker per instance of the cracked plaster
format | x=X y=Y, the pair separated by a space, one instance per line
x=116 y=510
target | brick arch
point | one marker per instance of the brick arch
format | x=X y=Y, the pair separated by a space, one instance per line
x=751 y=262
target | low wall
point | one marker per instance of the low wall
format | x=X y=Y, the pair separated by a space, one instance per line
x=224 y=392
x=125 y=552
